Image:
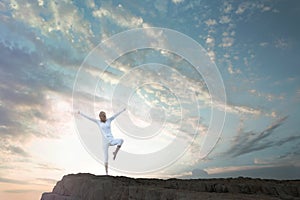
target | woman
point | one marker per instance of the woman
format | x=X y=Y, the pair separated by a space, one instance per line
x=107 y=137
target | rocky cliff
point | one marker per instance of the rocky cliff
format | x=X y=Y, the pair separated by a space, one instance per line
x=91 y=187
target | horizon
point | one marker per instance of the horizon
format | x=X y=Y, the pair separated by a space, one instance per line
x=212 y=90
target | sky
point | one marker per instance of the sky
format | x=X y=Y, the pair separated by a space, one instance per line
x=226 y=107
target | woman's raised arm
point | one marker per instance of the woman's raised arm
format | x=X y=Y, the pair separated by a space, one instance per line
x=117 y=114
x=89 y=118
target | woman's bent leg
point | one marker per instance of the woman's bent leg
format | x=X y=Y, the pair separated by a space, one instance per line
x=119 y=143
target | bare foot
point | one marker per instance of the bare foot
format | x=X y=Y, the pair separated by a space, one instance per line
x=116 y=151
x=115 y=154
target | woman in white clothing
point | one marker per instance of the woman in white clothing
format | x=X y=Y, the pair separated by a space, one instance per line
x=107 y=137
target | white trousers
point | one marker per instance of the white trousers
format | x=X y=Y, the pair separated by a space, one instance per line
x=106 y=145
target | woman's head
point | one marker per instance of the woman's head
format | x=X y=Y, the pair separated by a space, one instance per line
x=102 y=116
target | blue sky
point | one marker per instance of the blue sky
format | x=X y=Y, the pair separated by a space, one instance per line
x=254 y=44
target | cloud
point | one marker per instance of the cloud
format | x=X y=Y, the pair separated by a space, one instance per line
x=120 y=17
x=2 y=6
x=256 y=171
x=273 y=114
x=249 y=8
x=199 y=173
x=27 y=76
x=193 y=174
x=54 y=19
x=241 y=8
x=14 y=181
x=227 y=7
x=48 y=181
x=289 y=158
x=281 y=43
x=44 y=166
x=240 y=109
x=233 y=71
x=161 y=6
x=229 y=169
x=247 y=142
x=298 y=93
x=210 y=22
x=227 y=42
x=177 y=1
x=20 y=191
x=263 y=44
x=212 y=55
x=267 y=96
x=28 y=83
x=210 y=40
x=264 y=8
x=224 y=19
x=16 y=150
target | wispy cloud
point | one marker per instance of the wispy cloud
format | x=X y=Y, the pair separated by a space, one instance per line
x=15 y=150
x=21 y=191
x=47 y=181
x=253 y=6
x=210 y=22
x=47 y=167
x=298 y=93
x=242 y=7
x=251 y=141
x=261 y=171
x=119 y=16
x=218 y=170
x=291 y=157
x=60 y=17
x=227 y=7
x=281 y=43
x=224 y=19
x=35 y=67
x=267 y=96
x=177 y=1
x=8 y=180
x=227 y=42
x=233 y=71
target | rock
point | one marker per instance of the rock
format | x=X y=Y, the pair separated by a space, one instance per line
x=91 y=187
x=53 y=196
x=220 y=188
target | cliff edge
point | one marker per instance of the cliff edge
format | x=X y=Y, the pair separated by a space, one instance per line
x=92 y=187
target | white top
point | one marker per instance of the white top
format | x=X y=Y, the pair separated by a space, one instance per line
x=104 y=126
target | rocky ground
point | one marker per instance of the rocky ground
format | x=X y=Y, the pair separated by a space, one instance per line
x=91 y=187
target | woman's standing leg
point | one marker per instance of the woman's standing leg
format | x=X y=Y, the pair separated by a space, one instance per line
x=105 y=151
